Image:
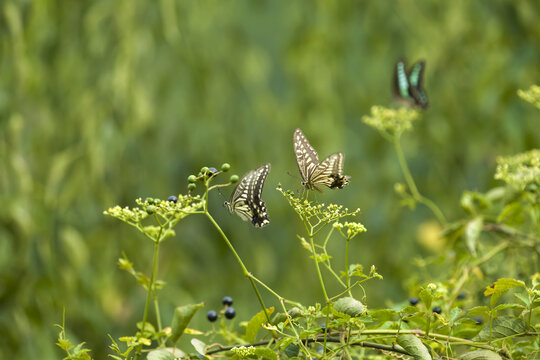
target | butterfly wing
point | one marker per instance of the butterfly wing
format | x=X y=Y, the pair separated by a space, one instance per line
x=246 y=197
x=416 y=77
x=401 y=80
x=330 y=172
x=307 y=158
x=259 y=214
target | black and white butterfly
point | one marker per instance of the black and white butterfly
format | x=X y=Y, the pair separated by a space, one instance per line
x=246 y=197
x=408 y=83
x=329 y=172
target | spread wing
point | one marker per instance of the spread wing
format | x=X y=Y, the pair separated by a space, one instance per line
x=401 y=80
x=307 y=158
x=246 y=198
x=330 y=171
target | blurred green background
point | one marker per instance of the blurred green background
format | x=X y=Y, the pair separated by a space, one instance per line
x=104 y=101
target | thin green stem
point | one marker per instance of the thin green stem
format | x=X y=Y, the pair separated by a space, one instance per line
x=318 y=268
x=348 y=278
x=412 y=185
x=239 y=260
x=153 y=277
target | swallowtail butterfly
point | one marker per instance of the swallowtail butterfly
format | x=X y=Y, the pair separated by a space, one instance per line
x=246 y=197
x=408 y=84
x=328 y=173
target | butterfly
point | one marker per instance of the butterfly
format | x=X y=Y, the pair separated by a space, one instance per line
x=328 y=173
x=408 y=84
x=246 y=197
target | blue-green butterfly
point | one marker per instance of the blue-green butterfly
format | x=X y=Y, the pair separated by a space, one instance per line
x=408 y=84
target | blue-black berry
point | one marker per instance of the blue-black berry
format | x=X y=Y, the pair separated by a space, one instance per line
x=212 y=316
x=437 y=309
x=479 y=320
x=227 y=301
x=461 y=296
x=212 y=171
x=230 y=313
x=172 y=198
x=413 y=301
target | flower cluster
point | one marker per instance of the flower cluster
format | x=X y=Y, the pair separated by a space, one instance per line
x=316 y=214
x=165 y=209
x=353 y=228
x=531 y=95
x=391 y=121
x=521 y=170
x=243 y=351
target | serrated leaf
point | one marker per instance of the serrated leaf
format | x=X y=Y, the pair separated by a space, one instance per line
x=523 y=298
x=511 y=214
x=255 y=324
x=383 y=315
x=500 y=287
x=502 y=327
x=478 y=310
x=508 y=306
x=427 y=298
x=199 y=346
x=266 y=353
x=480 y=355
x=160 y=355
x=472 y=233
x=292 y=350
x=414 y=346
x=182 y=317
x=349 y=306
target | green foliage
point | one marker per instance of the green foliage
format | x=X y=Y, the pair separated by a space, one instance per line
x=102 y=102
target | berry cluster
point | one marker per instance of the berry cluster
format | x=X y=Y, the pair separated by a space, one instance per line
x=229 y=311
x=207 y=173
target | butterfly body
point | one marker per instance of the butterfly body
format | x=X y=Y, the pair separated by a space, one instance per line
x=329 y=172
x=408 y=84
x=246 y=197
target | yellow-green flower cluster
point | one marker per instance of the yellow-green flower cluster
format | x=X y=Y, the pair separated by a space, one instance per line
x=531 y=95
x=169 y=210
x=243 y=351
x=353 y=228
x=391 y=121
x=316 y=214
x=520 y=170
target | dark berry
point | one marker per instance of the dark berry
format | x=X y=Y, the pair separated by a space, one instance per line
x=227 y=301
x=230 y=313
x=437 y=309
x=479 y=320
x=212 y=171
x=212 y=316
x=172 y=198
x=461 y=296
x=323 y=328
x=413 y=301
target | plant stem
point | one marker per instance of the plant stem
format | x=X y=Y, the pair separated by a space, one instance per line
x=318 y=268
x=412 y=185
x=239 y=260
x=347 y=267
x=150 y=287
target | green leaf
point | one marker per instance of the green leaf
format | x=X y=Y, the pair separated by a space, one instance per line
x=427 y=298
x=199 y=346
x=182 y=317
x=480 y=355
x=255 y=324
x=349 y=306
x=509 y=306
x=524 y=299
x=478 y=310
x=502 y=327
x=512 y=214
x=472 y=233
x=292 y=350
x=160 y=355
x=383 y=315
x=454 y=314
x=266 y=353
x=500 y=287
x=414 y=346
